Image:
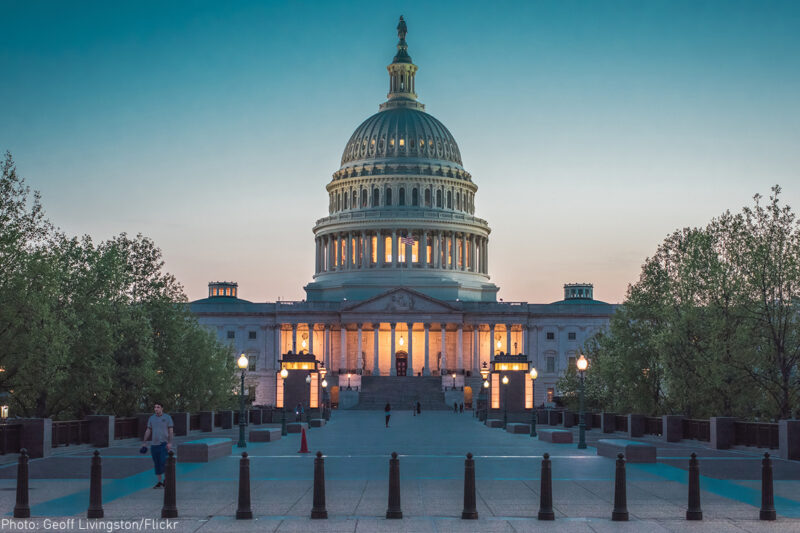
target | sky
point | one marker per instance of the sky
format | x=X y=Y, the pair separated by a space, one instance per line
x=592 y=129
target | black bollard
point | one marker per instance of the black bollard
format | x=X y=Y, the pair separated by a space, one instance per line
x=22 y=509
x=767 y=496
x=546 y=491
x=470 y=511
x=96 y=488
x=169 y=510
x=694 y=512
x=243 y=511
x=318 y=510
x=283 y=423
x=620 y=513
x=394 y=510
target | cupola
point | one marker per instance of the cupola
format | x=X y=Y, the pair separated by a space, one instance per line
x=227 y=289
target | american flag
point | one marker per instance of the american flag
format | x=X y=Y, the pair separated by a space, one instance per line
x=407 y=240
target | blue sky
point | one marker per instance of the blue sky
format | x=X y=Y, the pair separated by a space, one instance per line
x=592 y=129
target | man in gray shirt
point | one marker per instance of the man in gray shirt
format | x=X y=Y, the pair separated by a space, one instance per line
x=160 y=430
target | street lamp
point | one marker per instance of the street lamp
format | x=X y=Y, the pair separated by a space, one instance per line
x=485 y=374
x=348 y=382
x=243 y=362
x=284 y=374
x=505 y=402
x=534 y=375
x=326 y=413
x=454 y=380
x=582 y=364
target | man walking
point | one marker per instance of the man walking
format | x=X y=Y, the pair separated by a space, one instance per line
x=160 y=431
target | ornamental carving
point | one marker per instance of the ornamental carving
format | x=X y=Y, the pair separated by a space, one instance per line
x=400 y=301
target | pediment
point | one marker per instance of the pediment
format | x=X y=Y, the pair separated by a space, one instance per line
x=401 y=300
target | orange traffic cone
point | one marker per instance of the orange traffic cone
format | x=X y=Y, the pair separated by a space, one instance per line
x=303 y=443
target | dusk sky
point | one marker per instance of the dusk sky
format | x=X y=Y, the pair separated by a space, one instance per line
x=592 y=129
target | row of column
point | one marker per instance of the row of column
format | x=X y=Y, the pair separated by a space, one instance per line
x=450 y=250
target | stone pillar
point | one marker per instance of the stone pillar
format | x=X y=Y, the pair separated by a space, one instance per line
x=789 y=439
x=443 y=360
x=476 y=349
x=180 y=421
x=423 y=251
x=359 y=360
x=486 y=254
x=376 y=365
x=392 y=357
x=394 y=256
x=311 y=338
x=364 y=249
x=348 y=251
x=672 y=428
x=326 y=346
x=206 y=421
x=608 y=422
x=37 y=437
x=343 y=354
x=437 y=250
x=381 y=250
x=472 y=249
x=409 y=263
x=525 y=350
x=508 y=339
x=410 y=370
x=491 y=342
x=463 y=251
x=101 y=430
x=453 y=265
x=636 y=425
x=426 y=371
x=460 y=348
x=276 y=343
x=721 y=432
x=294 y=338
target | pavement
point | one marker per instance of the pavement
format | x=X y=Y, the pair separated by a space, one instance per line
x=431 y=449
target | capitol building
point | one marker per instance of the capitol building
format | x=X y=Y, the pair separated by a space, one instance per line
x=401 y=283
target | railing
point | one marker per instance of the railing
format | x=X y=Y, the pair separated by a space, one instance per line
x=68 y=432
x=194 y=422
x=758 y=434
x=653 y=425
x=126 y=428
x=621 y=423
x=696 y=429
x=596 y=418
x=10 y=438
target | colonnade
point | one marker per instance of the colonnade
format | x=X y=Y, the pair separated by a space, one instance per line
x=444 y=250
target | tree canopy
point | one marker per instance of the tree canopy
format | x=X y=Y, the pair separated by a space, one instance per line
x=91 y=327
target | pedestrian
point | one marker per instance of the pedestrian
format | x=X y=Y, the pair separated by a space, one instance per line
x=413 y=409
x=159 y=433
x=461 y=407
x=419 y=408
x=298 y=412
x=388 y=411
x=455 y=407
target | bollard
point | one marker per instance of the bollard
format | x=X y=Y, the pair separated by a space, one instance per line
x=169 y=510
x=620 y=513
x=767 y=496
x=96 y=488
x=243 y=511
x=318 y=510
x=22 y=509
x=694 y=512
x=546 y=491
x=470 y=511
x=283 y=423
x=394 y=510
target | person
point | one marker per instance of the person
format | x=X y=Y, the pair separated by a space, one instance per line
x=160 y=432
x=298 y=412
x=461 y=407
x=388 y=411
x=455 y=407
x=413 y=409
x=419 y=408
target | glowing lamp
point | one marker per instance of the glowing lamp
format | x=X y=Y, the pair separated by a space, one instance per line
x=284 y=373
x=534 y=373
x=324 y=383
x=243 y=361
x=582 y=363
x=505 y=380
x=308 y=379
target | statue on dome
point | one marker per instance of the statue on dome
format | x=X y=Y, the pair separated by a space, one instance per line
x=402 y=29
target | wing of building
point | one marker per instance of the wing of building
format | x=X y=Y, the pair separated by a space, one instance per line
x=401 y=282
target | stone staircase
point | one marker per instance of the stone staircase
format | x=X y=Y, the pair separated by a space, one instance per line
x=401 y=392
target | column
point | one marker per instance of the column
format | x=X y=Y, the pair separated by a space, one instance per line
x=443 y=361
x=376 y=367
x=423 y=252
x=410 y=326
x=381 y=249
x=463 y=251
x=491 y=343
x=453 y=251
x=364 y=258
x=409 y=263
x=508 y=339
x=343 y=355
x=326 y=347
x=294 y=338
x=472 y=262
x=460 y=348
x=486 y=254
x=393 y=360
x=476 y=349
x=311 y=339
x=276 y=343
x=394 y=258
x=359 y=355
x=525 y=350
x=329 y=265
x=427 y=370
x=437 y=250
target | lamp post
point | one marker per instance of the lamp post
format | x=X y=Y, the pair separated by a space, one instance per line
x=348 y=382
x=582 y=364
x=325 y=409
x=485 y=374
x=534 y=375
x=454 y=380
x=284 y=374
x=505 y=401
x=243 y=362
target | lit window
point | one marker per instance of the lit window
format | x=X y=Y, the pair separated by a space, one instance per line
x=415 y=251
x=391 y=142
x=550 y=393
x=374 y=248
x=430 y=253
x=387 y=246
x=402 y=142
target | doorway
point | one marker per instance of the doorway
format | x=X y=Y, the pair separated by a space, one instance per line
x=401 y=363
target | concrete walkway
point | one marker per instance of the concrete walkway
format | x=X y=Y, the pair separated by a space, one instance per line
x=432 y=448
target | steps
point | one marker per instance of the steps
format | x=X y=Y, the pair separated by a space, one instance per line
x=401 y=392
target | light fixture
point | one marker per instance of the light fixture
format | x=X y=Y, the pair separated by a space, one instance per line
x=324 y=383
x=4 y=413
x=304 y=343
x=242 y=362
x=505 y=380
x=284 y=373
x=322 y=370
x=454 y=375
x=534 y=373
x=484 y=371
x=499 y=344
x=582 y=363
x=308 y=378
x=401 y=341
x=486 y=384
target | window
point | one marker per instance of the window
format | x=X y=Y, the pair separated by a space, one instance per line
x=401 y=197
x=550 y=393
x=414 y=197
x=551 y=364
x=388 y=196
x=571 y=335
x=571 y=362
x=551 y=336
x=439 y=198
x=251 y=362
x=231 y=334
x=427 y=197
x=354 y=203
x=344 y=205
x=376 y=196
x=458 y=201
x=251 y=335
x=363 y=198
x=449 y=199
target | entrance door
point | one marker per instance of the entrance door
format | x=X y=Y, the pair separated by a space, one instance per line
x=401 y=363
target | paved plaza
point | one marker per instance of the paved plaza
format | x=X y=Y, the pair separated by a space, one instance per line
x=432 y=449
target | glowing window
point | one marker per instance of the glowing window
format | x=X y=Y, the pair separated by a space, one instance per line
x=374 y=248
x=401 y=250
x=415 y=251
x=391 y=142
x=429 y=254
x=227 y=291
x=495 y=391
x=422 y=143
x=402 y=142
x=387 y=247
x=550 y=393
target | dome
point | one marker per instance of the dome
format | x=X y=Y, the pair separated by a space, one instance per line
x=401 y=132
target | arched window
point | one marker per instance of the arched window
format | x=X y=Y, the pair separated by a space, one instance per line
x=458 y=201
x=354 y=202
x=345 y=197
x=376 y=196
x=401 y=196
x=338 y=201
x=449 y=199
x=427 y=197
x=414 y=197
x=388 y=196
x=363 y=198
x=439 y=198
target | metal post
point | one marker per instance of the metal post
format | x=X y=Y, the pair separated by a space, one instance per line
x=620 y=513
x=318 y=510
x=533 y=408
x=22 y=508
x=394 y=510
x=95 y=488
x=242 y=416
x=767 y=499
x=170 y=509
x=244 y=512
x=470 y=511
x=694 y=512
x=582 y=421
x=505 y=405
x=546 y=491
x=283 y=422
